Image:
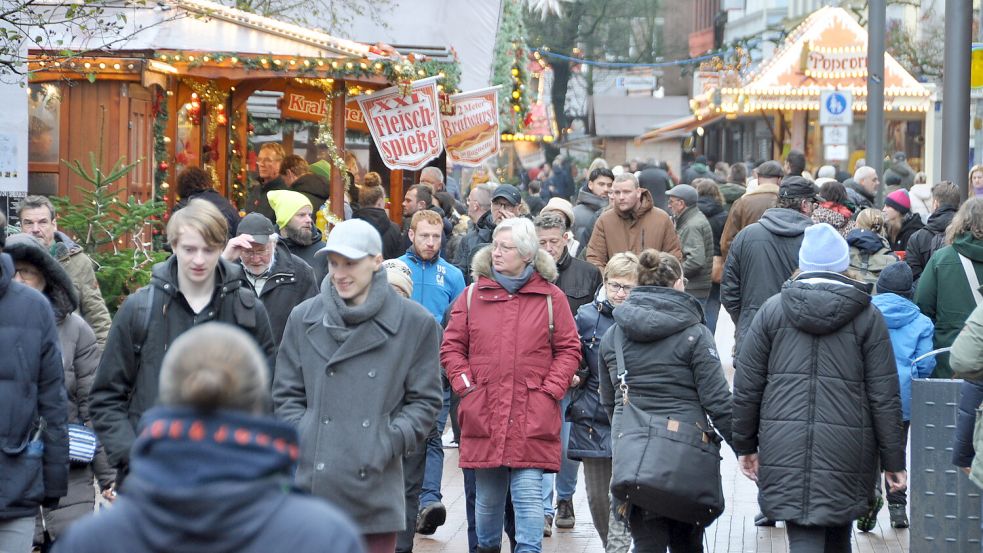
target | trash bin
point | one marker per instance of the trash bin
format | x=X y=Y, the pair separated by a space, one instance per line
x=945 y=504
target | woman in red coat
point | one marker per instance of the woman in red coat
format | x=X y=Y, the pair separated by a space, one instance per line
x=511 y=371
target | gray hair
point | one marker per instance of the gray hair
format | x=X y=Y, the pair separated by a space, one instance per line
x=627 y=176
x=523 y=235
x=432 y=172
x=863 y=172
x=551 y=219
x=484 y=198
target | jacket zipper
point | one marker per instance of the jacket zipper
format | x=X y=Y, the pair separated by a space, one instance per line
x=813 y=358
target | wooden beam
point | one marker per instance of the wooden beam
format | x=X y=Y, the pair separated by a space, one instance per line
x=338 y=134
x=396 y=196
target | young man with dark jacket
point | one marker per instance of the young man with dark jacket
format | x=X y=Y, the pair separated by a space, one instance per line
x=33 y=435
x=924 y=242
x=373 y=210
x=591 y=201
x=192 y=287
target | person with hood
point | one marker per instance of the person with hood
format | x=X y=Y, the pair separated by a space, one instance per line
x=736 y=185
x=192 y=287
x=373 y=210
x=633 y=224
x=921 y=198
x=833 y=210
x=815 y=347
x=899 y=171
x=511 y=351
x=656 y=180
x=696 y=239
x=591 y=201
x=911 y=337
x=765 y=254
x=925 y=241
x=314 y=187
x=870 y=252
x=674 y=372
x=195 y=182
x=279 y=278
x=80 y=357
x=949 y=287
x=34 y=458
x=900 y=222
x=194 y=488
x=748 y=209
x=358 y=375
x=38 y=218
x=700 y=168
x=268 y=162
x=710 y=203
x=295 y=219
x=590 y=428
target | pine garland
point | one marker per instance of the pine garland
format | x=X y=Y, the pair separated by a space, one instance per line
x=509 y=68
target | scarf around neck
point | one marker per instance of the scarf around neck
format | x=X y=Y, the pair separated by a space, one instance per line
x=512 y=284
x=342 y=319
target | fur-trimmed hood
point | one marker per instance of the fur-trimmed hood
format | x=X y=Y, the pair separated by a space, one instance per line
x=542 y=263
x=59 y=288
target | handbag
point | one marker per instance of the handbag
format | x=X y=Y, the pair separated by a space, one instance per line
x=665 y=466
x=82 y=444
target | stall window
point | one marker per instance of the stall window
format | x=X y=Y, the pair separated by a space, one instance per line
x=43 y=133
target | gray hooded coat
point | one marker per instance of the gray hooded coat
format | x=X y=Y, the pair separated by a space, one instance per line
x=761 y=258
x=814 y=397
x=360 y=403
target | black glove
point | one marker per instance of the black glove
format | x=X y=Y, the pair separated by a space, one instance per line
x=50 y=503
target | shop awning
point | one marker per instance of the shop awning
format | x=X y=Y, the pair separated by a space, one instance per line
x=827 y=51
x=679 y=128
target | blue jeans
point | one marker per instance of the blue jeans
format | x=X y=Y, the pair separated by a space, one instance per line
x=711 y=307
x=434 y=471
x=526 y=486
x=566 y=479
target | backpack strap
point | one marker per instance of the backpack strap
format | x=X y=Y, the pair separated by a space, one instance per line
x=144 y=311
x=549 y=309
x=974 y=281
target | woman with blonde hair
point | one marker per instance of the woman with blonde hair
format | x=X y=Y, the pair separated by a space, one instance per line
x=210 y=471
x=673 y=371
x=869 y=249
x=976 y=181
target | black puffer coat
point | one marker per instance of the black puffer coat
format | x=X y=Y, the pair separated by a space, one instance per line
x=590 y=434
x=479 y=235
x=923 y=243
x=673 y=367
x=814 y=397
x=578 y=279
x=717 y=216
x=388 y=230
x=761 y=258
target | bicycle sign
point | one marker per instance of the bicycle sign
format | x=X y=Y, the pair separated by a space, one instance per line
x=835 y=107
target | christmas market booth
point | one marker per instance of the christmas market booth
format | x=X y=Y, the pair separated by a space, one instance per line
x=777 y=107
x=196 y=83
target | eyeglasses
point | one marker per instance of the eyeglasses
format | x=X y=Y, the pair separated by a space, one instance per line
x=617 y=288
x=498 y=246
x=265 y=160
x=255 y=252
x=27 y=272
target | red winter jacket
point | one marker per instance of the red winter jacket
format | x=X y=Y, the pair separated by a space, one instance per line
x=500 y=351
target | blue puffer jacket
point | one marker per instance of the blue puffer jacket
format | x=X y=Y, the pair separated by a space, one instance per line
x=436 y=283
x=31 y=386
x=911 y=337
x=590 y=434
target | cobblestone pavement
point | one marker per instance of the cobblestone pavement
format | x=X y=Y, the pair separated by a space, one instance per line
x=733 y=532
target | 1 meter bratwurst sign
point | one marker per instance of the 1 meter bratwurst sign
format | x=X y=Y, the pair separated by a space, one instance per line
x=405 y=128
x=471 y=133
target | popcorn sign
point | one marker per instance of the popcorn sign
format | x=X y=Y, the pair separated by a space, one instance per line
x=405 y=128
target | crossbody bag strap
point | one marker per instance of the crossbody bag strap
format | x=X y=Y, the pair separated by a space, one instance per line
x=619 y=353
x=974 y=281
x=549 y=310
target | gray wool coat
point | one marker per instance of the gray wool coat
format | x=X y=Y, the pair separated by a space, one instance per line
x=360 y=405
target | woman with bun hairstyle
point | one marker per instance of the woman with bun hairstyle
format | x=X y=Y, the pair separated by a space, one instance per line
x=208 y=471
x=673 y=371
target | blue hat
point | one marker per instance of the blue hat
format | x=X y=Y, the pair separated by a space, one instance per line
x=896 y=278
x=823 y=249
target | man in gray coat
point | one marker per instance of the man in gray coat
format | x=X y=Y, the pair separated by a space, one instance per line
x=358 y=373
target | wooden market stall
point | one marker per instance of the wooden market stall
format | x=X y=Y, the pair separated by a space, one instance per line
x=780 y=100
x=175 y=94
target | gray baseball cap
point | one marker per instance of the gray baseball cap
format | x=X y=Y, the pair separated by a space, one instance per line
x=354 y=239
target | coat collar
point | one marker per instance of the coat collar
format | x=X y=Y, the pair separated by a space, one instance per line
x=543 y=264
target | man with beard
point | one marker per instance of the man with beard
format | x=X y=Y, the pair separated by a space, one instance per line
x=295 y=219
x=417 y=198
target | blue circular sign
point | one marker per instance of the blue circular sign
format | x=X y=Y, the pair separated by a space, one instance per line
x=836 y=103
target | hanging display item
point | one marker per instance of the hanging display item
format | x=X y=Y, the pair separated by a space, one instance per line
x=404 y=123
x=471 y=130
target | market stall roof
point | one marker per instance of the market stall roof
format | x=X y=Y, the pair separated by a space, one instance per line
x=677 y=128
x=630 y=116
x=828 y=50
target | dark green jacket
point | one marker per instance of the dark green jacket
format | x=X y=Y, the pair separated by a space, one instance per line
x=696 y=239
x=944 y=294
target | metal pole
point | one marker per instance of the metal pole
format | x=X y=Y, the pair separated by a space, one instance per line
x=955 y=90
x=876 y=25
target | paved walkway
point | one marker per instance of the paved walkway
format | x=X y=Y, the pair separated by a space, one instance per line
x=733 y=532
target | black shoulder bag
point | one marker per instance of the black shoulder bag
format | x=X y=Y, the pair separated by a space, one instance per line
x=665 y=466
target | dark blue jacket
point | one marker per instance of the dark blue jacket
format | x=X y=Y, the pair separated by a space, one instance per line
x=212 y=483
x=970 y=397
x=31 y=386
x=590 y=433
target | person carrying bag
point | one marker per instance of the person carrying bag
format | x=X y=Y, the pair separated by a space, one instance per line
x=663 y=377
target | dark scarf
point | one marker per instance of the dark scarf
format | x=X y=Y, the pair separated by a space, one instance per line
x=512 y=284
x=342 y=319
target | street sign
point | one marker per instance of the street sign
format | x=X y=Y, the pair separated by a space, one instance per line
x=836 y=135
x=836 y=152
x=835 y=108
x=636 y=82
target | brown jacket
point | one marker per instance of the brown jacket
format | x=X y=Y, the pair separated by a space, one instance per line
x=646 y=227
x=746 y=211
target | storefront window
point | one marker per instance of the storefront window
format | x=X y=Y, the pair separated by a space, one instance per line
x=44 y=107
